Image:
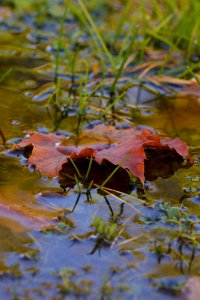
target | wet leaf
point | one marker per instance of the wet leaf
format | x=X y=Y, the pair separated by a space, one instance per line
x=192 y=289
x=193 y=89
x=5 y=13
x=54 y=155
x=41 y=151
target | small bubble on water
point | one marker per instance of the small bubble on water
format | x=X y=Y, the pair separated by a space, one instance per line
x=30 y=83
x=15 y=122
x=28 y=94
x=146 y=112
x=43 y=129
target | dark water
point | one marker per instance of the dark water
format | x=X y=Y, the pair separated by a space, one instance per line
x=45 y=251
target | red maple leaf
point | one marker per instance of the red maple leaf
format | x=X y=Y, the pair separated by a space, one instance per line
x=52 y=154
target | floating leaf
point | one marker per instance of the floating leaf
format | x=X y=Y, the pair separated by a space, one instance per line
x=41 y=151
x=192 y=289
x=127 y=148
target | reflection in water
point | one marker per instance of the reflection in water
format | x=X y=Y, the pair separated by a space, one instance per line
x=185 y=264
x=13 y=236
x=17 y=194
x=183 y=249
x=175 y=116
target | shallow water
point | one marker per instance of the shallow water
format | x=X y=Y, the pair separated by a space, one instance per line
x=45 y=250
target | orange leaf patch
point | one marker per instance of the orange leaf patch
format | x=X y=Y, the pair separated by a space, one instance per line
x=41 y=151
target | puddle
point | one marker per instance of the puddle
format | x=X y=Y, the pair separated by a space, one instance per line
x=46 y=250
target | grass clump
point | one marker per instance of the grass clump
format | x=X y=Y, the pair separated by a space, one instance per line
x=104 y=230
x=105 y=233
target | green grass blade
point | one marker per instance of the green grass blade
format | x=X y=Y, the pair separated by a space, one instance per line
x=59 y=43
x=75 y=167
x=115 y=170
x=5 y=74
x=89 y=168
x=97 y=33
x=124 y=60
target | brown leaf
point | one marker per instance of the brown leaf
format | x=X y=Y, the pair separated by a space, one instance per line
x=127 y=148
x=192 y=89
x=176 y=144
x=5 y=13
x=41 y=151
x=192 y=289
x=129 y=154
